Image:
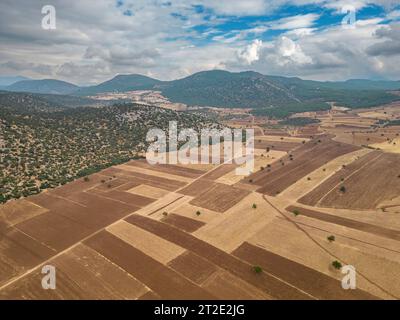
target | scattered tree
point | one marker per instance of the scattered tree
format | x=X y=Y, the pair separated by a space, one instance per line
x=331 y=238
x=257 y=269
x=337 y=265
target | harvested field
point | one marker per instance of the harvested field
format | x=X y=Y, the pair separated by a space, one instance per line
x=198 y=187
x=190 y=211
x=309 y=280
x=193 y=267
x=183 y=223
x=228 y=287
x=272 y=286
x=307 y=184
x=392 y=146
x=14 y=212
x=366 y=185
x=168 y=168
x=128 y=198
x=370 y=228
x=219 y=197
x=79 y=185
x=55 y=231
x=110 y=184
x=82 y=273
x=334 y=181
x=148 y=191
x=19 y=253
x=157 y=174
x=166 y=203
x=236 y=225
x=306 y=159
x=151 y=180
x=159 y=249
x=220 y=171
x=276 y=132
x=276 y=145
x=162 y=280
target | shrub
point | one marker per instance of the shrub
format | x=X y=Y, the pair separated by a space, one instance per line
x=331 y=238
x=165 y=213
x=198 y=213
x=296 y=212
x=86 y=179
x=342 y=189
x=257 y=269
x=337 y=265
x=254 y=206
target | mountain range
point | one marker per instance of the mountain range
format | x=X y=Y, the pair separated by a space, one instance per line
x=228 y=89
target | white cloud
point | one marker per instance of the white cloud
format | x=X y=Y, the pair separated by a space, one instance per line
x=93 y=42
x=251 y=53
x=291 y=52
x=296 y=22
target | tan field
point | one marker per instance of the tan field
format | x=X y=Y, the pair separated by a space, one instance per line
x=190 y=231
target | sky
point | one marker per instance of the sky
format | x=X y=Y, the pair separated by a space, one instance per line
x=94 y=40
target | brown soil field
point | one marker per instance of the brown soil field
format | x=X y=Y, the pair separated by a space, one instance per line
x=376 y=182
x=154 y=181
x=309 y=280
x=307 y=131
x=183 y=223
x=267 y=283
x=370 y=228
x=334 y=181
x=275 y=145
x=162 y=280
x=157 y=174
x=275 y=132
x=82 y=273
x=220 y=171
x=128 y=198
x=193 y=267
x=19 y=252
x=110 y=184
x=229 y=287
x=170 y=168
x=198 y=187
x=79 y=185
x=17 y=211
x=306 y=159
x=54 y=230
x=219 y=198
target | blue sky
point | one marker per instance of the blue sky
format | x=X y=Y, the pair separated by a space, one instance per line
x=168 y=39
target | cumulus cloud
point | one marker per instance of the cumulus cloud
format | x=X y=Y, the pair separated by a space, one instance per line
x=391 y=44
x=251 y=53
x=171 y=39
x=291 y=52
